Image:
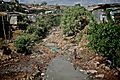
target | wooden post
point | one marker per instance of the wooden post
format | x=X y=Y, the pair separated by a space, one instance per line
x=3 y=27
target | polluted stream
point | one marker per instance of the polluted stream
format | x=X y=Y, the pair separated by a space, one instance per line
x=61 y=69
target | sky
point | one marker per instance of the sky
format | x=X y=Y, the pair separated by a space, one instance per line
x=70 y=2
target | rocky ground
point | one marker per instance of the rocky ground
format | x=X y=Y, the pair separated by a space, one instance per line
x=32 y=67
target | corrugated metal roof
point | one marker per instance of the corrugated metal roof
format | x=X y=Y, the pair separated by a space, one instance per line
x=103 y=6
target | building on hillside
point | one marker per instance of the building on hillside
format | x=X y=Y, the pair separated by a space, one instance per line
x=102 y=11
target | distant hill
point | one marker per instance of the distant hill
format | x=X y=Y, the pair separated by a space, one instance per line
x=69 y=2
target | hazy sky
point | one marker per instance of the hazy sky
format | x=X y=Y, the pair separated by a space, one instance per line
x=70 y=2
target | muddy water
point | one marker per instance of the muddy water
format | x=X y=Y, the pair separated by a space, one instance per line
x=61 y=69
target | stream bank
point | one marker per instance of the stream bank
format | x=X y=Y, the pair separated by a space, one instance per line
x=47 y=54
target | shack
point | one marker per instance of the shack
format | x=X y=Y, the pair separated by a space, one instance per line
x=5 y=28
x=13 y=19
x=8 y=23
x=102 y=11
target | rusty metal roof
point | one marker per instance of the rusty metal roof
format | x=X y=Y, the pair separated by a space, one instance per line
x=3 y=13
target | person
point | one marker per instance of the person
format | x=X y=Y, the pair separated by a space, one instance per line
x=75 y=58
x=75 y=54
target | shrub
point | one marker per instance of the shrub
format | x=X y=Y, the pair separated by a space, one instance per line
x=43 y=24
x=79 y=37
x=23 y=22
x=53 y=21
x=30 y=29
x=105 y=38
x=24 y=42
x=74 y=19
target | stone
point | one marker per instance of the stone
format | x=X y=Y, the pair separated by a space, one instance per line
x=92 y=71
x=118 y=68
x=81 y=49
x=96 y=64
x=84 y=71
x=1 y=53
x=42 y=74
x=100 y=76
x=32 y=56
x=102 y=66
x=81 y=70
x=107 y=68
x=116 y=74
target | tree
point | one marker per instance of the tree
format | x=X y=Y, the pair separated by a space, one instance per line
x=43 y=3
x=57 y=7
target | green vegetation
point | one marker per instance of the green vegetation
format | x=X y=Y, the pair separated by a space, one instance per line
x=35 y=33
x=79 y=37
x=23 y=22
x=74 y=19
x=105 y=38
x=23 y=43
x=11 y=6
x=26 y=40
x=53 y=20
